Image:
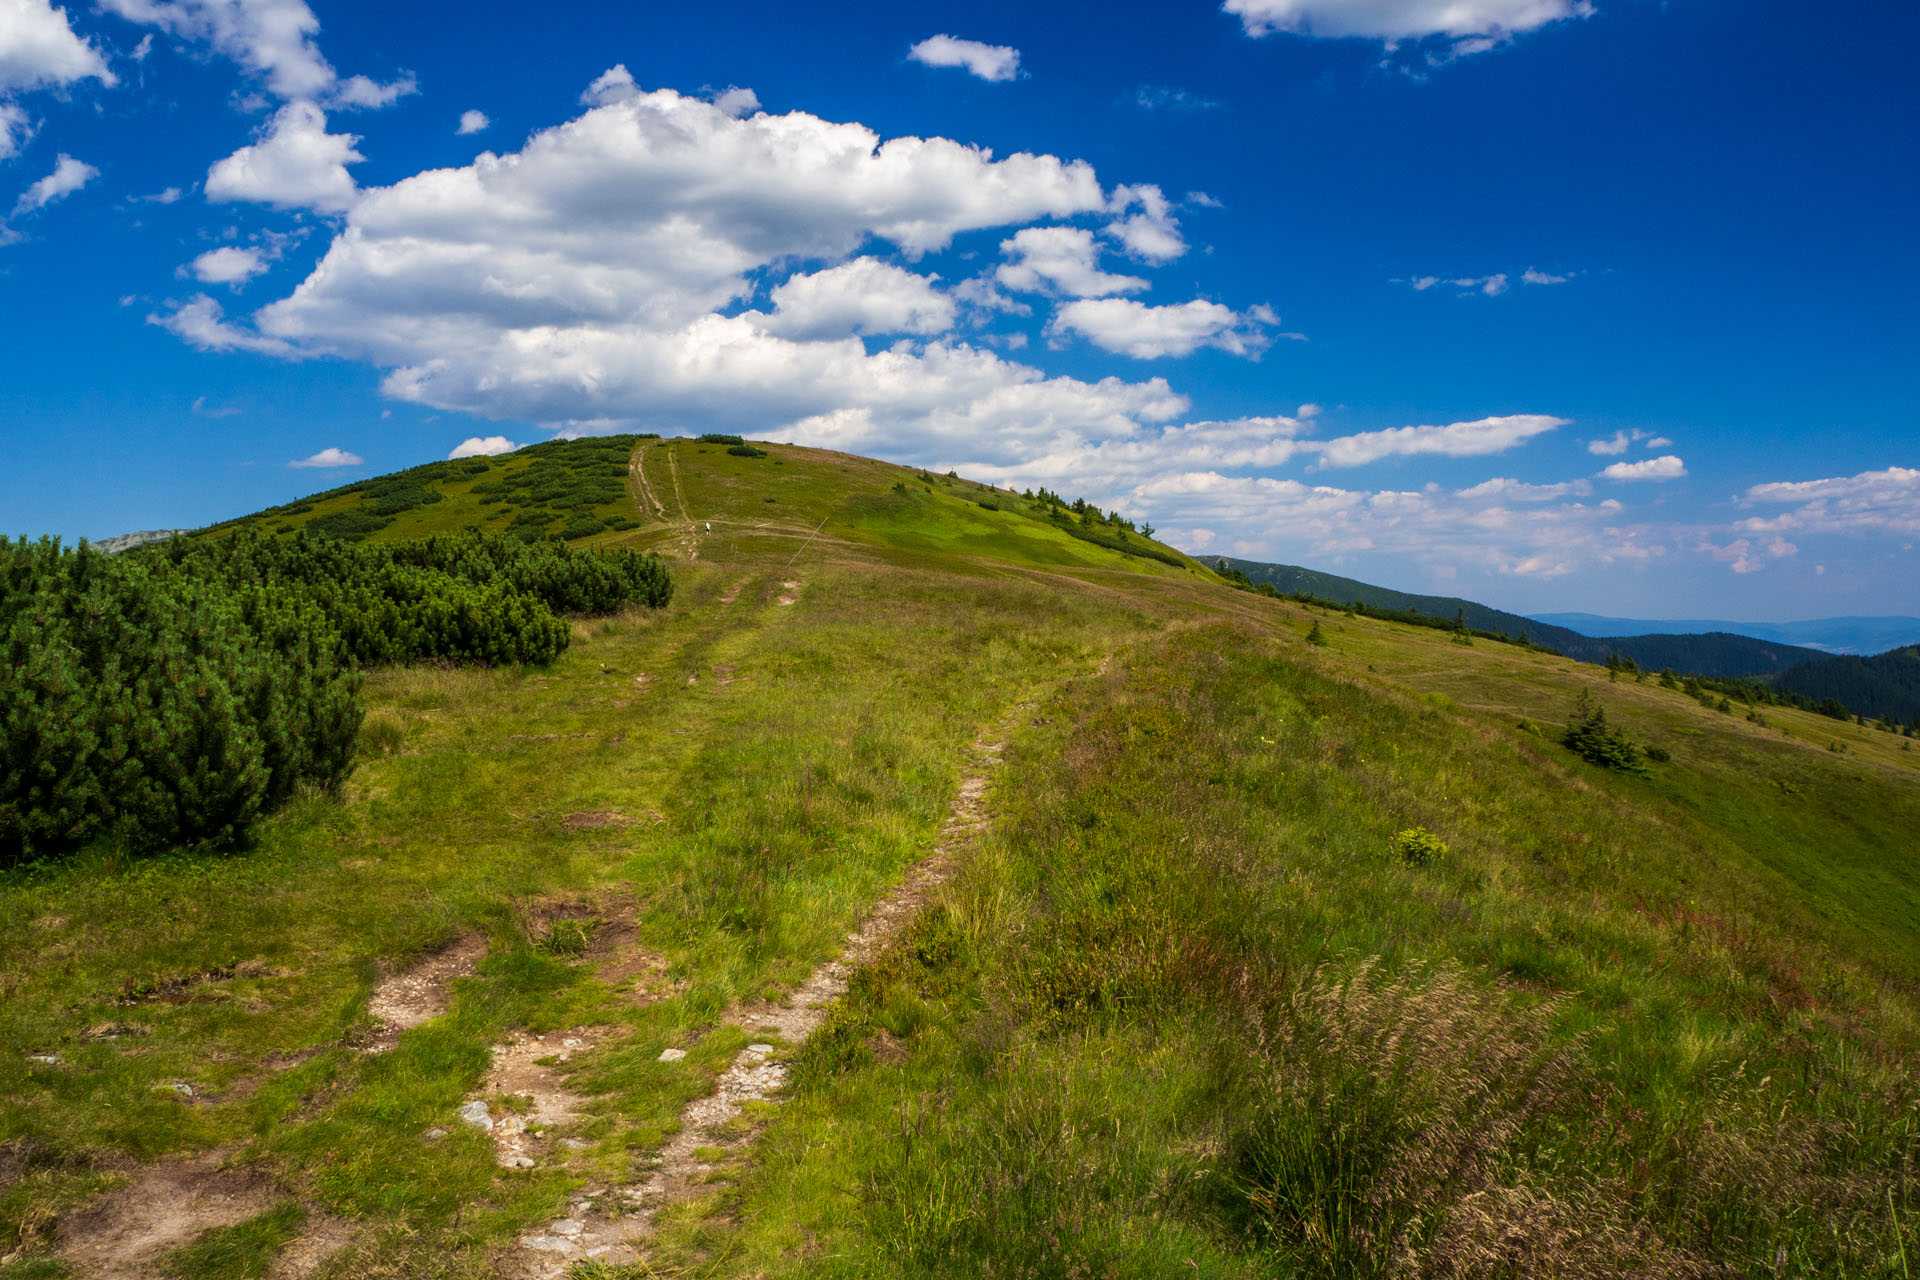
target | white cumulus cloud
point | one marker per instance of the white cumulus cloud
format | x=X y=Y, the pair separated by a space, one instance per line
x=330 y=457
x=68 y=176
x=482 y=447
x=228 y=265
x=594 y=279
x=1059 y=260
x=473 y=122
x=1665 y=467
x=296 y=164
x=1151 y=235
x=1132 y=328
x=1886 y=501
x=988 y=61
x=40 y=50
x=863 y=296
x=359 y=91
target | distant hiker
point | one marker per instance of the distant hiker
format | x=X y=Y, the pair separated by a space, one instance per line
x=709 y=526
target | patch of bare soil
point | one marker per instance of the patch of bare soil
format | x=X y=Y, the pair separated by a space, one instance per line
x=610 y=1225
x=619 y=958
x=724 y=674
x=304 y=1255
x=123 y=1234
x=789 y=592
x=535 y=1107
x=733 y=592
x=595 y=821
x=404 y=1000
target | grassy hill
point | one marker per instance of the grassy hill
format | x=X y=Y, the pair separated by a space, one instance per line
x=1253 y=956
x=1714 y=653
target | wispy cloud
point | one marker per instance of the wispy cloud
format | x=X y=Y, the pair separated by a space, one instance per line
x=68 y=176
x=1160 y=97
x=1479 y=438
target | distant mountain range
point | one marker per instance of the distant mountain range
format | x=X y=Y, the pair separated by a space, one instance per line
x=1832 y=635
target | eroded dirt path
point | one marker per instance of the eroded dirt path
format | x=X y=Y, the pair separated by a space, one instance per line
x=612 y=1224
x=124 y=1233
x=404 y=1000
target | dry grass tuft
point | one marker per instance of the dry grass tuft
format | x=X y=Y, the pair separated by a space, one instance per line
x=1386 y=1100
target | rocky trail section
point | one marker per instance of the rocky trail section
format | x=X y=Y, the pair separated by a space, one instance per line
x=609 y=1225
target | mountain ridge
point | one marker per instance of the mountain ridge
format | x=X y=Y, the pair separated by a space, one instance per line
x=1851 y=634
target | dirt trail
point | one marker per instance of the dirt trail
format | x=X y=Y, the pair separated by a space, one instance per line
x=639 y=470
x=123 y=1234
x=610 y=1224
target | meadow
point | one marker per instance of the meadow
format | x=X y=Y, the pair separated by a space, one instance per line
x=1272 y=958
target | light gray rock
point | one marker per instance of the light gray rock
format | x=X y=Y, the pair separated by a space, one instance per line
x=549 y=1244
x=435 y=1134
x=760 y=1048
x=51 y=1059
x=672 y=1055
x=565 y=1227
x=475 y=1114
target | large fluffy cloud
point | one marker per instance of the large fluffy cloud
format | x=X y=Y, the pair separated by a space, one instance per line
x=598 y=275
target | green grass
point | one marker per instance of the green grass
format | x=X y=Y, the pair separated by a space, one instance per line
x=1625 y=1021
x=244 y=1251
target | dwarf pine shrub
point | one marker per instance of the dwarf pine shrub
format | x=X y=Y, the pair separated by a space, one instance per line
x=175 y=694
x=1594 y=740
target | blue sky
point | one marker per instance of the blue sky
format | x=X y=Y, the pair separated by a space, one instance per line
x=1552 y=304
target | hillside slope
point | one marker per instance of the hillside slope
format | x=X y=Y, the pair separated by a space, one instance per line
x=1227 y=953
x=1716 y=653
